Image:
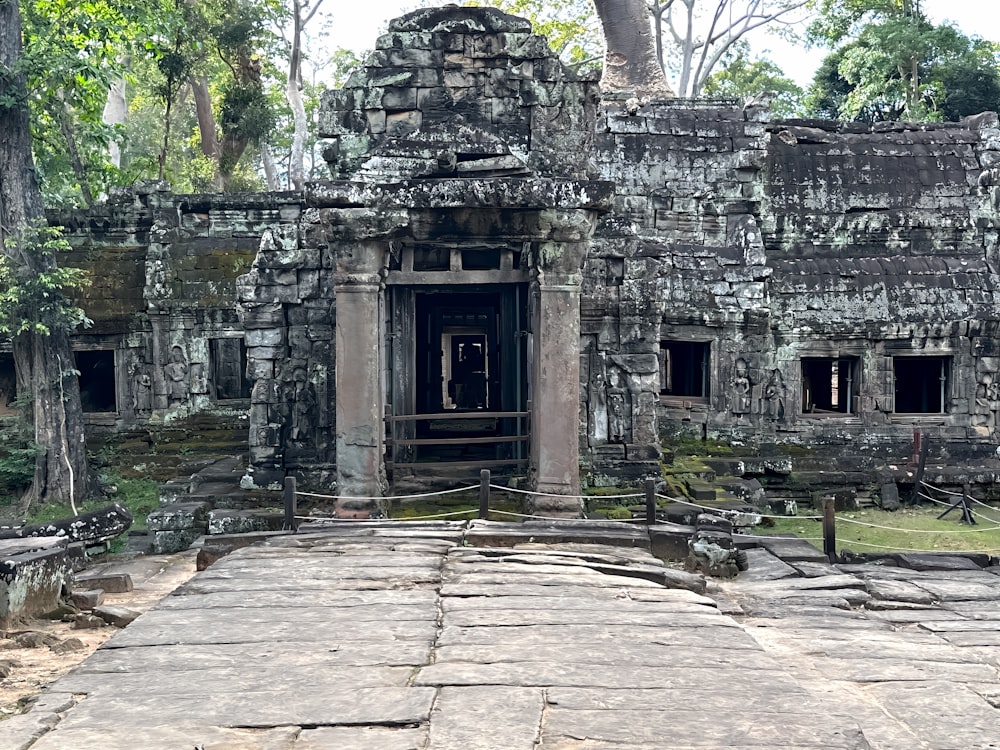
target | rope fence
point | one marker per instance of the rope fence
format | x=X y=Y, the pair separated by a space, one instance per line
x=960 y=501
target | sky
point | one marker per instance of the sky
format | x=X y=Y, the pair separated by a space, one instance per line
x=355 y=25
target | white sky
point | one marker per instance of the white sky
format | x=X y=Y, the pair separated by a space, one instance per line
x=355 y=24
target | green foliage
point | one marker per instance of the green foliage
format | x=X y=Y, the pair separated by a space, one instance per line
x=73 y=51
x=140 y=496
x=39 y=302
x=743 y=76
x=17 y=456
x=891 y=63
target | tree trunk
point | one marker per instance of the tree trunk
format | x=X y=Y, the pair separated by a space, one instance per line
x=270 y=168
x=630 y=62
x=44 y=364
x=115 y=113
x=207 y=130
x=296 y=171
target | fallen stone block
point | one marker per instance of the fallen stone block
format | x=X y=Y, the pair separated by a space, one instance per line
x=111 y=583
x=70 y=645
x=178 y=517
x=679 y=579
x=31 y=582
x=87 y=599
x=88 y=622
x=243 y=521
x=669 y=541
x=166 y=542
x=120 y=617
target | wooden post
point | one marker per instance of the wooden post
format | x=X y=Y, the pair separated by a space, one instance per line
x=829 y=529
x=484 y=493
x=918 y=479
x=290 y=505
x=650 y=502
x=967 y=516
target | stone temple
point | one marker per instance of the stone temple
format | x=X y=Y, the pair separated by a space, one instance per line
x=507 y=270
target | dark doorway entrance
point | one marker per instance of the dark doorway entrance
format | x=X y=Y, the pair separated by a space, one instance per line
x=97 y=380
x=457 y=377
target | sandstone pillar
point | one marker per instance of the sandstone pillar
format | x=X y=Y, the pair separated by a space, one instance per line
x=358 y=289
x=555 y=419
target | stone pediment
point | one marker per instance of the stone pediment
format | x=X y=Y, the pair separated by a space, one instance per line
x=460 y=91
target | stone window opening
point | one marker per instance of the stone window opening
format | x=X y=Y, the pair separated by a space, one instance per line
x=228 y=366
x=685 y=370
x=921 y=384
x=97 y=380
x=830 y=385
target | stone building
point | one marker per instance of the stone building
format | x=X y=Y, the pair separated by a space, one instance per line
x=507 y=271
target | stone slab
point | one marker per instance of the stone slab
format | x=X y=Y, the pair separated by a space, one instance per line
x=462 y=715
x=900 y=591
x=793 y=550
x=569 y=674
x=595 y=636
x=763 y=566
x=261 y=708
x=944 y=715
x=290 y=655
x=688 y=728
x=362 y=738
x=696 y=604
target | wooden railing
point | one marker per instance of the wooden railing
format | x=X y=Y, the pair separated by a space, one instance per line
x=393 y=421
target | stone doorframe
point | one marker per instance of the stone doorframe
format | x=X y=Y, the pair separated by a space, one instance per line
x=559 y=235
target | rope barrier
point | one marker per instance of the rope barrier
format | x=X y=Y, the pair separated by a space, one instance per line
x=569 y=497
x=728 y=510
x=941 y=489
x=512 y=514
x=408 y=518
x=915 y=531
x=388 y=497
x=849 y=542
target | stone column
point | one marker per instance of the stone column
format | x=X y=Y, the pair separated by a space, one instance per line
x=358 y=289
x=555 y=419
x=359 y=239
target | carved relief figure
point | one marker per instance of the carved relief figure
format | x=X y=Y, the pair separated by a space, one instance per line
x=597 y=398
x=774 y=397
x=303 y=408
x=142 y=389
x=741 y=387
x=175 y=374
x=619 y=421
x=988 y=397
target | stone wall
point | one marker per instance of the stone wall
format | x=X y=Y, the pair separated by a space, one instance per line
x=784 y=246
x=162 y=298
x=798 y=282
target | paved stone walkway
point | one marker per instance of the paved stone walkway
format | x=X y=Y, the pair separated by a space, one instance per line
x=401 y=639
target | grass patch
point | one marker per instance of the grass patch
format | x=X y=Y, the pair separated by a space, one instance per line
x=140 y=496
x=907 y=529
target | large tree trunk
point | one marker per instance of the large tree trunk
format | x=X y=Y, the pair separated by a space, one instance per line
x=115 y=113
x=44 y=364
x=296 y=168
x=630 y=62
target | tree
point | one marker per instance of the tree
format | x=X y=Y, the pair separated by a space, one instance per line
x=302 y=13
x=43 y=357
x=891 y=63
x=741 y=76
x=704 y=31
x=630 y=62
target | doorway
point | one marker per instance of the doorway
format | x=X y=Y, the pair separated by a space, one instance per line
x=457 y=384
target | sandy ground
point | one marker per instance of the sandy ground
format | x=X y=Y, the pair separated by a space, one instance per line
x=34 y=665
